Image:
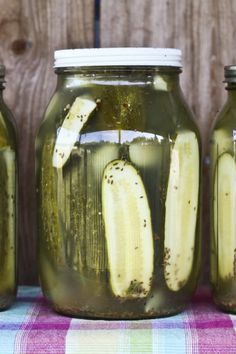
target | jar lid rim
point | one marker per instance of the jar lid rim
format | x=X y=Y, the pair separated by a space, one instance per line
x=230 y=73
x=127 y=56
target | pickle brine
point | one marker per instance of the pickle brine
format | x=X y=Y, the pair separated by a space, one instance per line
x=107 y=207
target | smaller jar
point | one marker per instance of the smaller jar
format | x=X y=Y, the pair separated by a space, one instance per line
x=8 y=182
x=223 y=199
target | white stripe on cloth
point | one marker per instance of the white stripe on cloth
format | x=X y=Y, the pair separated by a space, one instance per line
x=96 y=341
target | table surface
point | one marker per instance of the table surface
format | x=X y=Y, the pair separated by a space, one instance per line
x=30 y=326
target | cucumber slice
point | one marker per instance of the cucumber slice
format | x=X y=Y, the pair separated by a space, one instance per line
x=8 y=217
x=51 y=205
x=225 y=215
x=85 y=241
x=181 y=210
x=144 y=154
x=128 y=230
x=161 y=84
x=221 y=142
x=101 y=155
x=71 y=127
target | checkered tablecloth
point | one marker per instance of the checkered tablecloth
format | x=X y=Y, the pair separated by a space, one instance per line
x=30 y=326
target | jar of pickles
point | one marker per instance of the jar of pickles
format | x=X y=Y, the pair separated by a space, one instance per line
x=118 y=167
x=7 y=202
x=223 y=199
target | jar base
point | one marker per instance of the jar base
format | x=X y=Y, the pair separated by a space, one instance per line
x=5 y=302
x=226 y=306
x=75 y=313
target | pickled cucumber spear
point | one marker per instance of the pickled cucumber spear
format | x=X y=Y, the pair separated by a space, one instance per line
x=146 y=153
x=82 y=180
x=128 y=230
x=221 y=142
x=71 y=127
x=181 y=210
x=50 y=211
x=97 y=159
x=225 y=215
x=7 y=216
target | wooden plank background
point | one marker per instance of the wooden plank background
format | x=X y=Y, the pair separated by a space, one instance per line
x=204 y=30
x=30 y=30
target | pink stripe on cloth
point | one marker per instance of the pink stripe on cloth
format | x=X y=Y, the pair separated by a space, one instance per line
x=214 y=329
x=43 y=331
x=191 y=338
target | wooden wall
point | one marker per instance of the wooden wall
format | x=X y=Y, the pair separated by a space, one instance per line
x=30 y=30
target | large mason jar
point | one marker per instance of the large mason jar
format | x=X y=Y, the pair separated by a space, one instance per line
x=223 y=199
x=118 y=167
x=8 y=187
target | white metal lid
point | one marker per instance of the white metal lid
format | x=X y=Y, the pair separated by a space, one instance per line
x=118 y=57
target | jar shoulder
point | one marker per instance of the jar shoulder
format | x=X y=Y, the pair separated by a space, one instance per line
x=226 y=119
x=121 y=108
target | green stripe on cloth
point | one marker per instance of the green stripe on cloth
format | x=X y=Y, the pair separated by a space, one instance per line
x=140 y=341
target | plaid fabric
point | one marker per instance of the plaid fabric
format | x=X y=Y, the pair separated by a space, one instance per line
x=31 y=327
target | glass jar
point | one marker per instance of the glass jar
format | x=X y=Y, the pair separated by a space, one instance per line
x=7 y=202
x=223 y=199
x=118 y=166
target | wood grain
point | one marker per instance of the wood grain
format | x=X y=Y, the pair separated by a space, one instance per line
x=204 y=30
x=30 y=30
